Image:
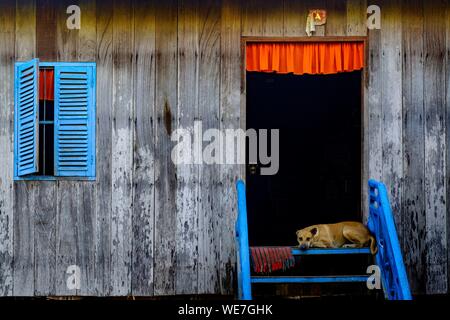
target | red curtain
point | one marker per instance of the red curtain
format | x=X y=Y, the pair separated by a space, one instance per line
x=305 y=57
x=46 y=84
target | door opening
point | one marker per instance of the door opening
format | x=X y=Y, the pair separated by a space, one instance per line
x=319 y=178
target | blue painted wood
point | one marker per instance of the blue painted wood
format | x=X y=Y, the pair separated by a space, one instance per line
x=389 y=256
x=64 y=64
x=317 y=279
x=328 y=251
x=310 y=252
x=52 y=178
x=26 y=118
x=242 y=246
x=74 y=120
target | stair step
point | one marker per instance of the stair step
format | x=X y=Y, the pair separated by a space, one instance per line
x=298 y=252
x=316 y=251
x=309 y=279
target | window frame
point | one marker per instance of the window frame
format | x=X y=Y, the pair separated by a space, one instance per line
x=34 y=177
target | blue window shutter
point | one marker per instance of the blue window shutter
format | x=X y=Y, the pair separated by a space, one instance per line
x=74 y=121
x=26 y=117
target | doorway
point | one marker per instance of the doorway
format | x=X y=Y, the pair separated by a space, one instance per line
x=319 y=177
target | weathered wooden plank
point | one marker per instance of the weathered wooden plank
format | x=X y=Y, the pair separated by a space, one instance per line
x=252 y=18
x=122 y=149
x=24 y=203
x=7 y=27
x=356 y=26
x=87 y=36
x=24 y=192
x=337 y=18
x=209 y=108
x=25 y=44
x=272 y=18
x=186 y=238
x=46 y=30
x=67 y=194
x=373 y=89
x=67 y=40
x=413 y=207
x=295 y=14
x=391 y=100
x=447 y=83
x=356 y=18
x=230 y=86
x=85 y=237
x=262 y=18
x=165 y=179
x=144 y=150
x=104 y=148
x=44 y=238
x=435 y=144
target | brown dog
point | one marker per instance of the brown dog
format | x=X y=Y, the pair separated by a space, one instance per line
x=339 y=235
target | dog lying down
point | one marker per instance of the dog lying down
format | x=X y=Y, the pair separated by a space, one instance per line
x=339 y=235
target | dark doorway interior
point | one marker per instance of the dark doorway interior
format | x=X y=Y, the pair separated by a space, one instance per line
x=319 y=180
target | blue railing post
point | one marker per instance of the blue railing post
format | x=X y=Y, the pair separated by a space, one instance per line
x=389 y=256
x=242 y=246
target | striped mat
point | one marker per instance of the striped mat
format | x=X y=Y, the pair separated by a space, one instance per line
x=270 y=259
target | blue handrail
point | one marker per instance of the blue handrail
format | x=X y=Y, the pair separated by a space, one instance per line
x=242 y=247
x=389 y=256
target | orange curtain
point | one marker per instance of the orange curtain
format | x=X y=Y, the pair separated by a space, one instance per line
x=46 y=84
x=305 y=58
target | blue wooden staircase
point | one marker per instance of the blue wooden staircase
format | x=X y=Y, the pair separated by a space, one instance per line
x=381 y=224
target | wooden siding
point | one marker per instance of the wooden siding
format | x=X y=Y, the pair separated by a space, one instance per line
x=147 y=227
x=7 y=35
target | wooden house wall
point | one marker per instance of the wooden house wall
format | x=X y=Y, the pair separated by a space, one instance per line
x=146 y=227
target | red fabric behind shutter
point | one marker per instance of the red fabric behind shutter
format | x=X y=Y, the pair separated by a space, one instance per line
x=46 y=84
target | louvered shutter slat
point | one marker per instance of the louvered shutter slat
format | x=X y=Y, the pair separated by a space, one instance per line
x=26 y=117
x=74 y=121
